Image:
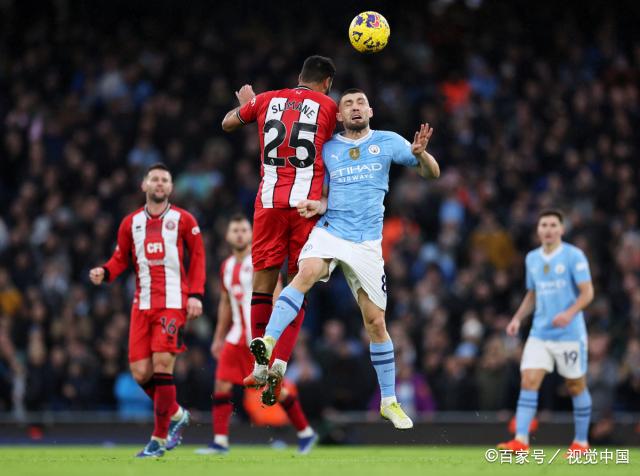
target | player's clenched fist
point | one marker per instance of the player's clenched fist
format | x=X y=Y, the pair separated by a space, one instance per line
x=310 y=208
x=245 y=94
x=96 y=275
x=513 y=327
x=194 y=308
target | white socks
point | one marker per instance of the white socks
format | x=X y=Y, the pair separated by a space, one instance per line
x=388 y=401
x=306 y=433
x=178 y=414
x=279 y=366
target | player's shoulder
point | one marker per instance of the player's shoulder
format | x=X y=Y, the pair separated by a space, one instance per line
x=186 y=219
x=182 y=212
x=389 y=136
x=225 y=263
x=129 y=218
x=334 y=141
x=573 y=251
x=533 y=255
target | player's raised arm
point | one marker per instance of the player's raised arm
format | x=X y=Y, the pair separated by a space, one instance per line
x=197 y=274
x=527 y=306
x=119 y=261
x=234 y=119
x=428 y=166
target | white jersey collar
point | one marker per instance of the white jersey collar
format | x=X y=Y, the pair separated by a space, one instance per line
x=553 y=254
x=346 y=140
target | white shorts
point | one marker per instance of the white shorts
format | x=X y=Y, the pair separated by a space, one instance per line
x=361 y=263
x=570 y=357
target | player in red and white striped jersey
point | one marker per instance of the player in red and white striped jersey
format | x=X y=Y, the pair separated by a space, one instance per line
x=231 y=342
x=153 y=239
x=293 y=125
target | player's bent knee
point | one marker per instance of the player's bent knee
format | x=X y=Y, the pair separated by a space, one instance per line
x=376 y=327
x=142 y=371
x=163 y=362
x=576 y=386
x=530 y=381
x=310 y=272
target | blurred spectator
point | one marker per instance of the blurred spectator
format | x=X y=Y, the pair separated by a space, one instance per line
x=494 y=376
x=10 y=296
x=602 y=376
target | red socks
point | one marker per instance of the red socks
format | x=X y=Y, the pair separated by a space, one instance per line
x=149 y=388
x=288 y=339
x=164 y=403
x=221 y=413
x=292 y=406
x=261 y=304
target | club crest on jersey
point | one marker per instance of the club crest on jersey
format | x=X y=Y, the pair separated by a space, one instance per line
x=354 y=153
x=546 y=269
x=374 y=149
x=170 y=225
x=560 y=268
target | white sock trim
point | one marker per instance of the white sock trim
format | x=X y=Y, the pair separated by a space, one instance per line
x=222 y=440
x=260 y=371
x=523 y=439
x=177 y=415
x=306 y=433
x=280 y=366
x=388 y=401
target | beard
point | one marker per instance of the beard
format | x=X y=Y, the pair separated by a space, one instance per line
x=240 y=248
x=156 y=198
x=357 y=127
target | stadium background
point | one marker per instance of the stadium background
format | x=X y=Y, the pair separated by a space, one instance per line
x=532 y=107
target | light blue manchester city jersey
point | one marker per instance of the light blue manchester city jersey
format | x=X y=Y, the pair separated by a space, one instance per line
x=357 y=172
x=554 y=278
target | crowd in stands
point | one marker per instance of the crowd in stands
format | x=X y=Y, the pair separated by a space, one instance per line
x=530 y=109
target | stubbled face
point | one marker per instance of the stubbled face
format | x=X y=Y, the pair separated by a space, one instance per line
x=239 y=235
x=550 y=230
x=354 y=112
x=158 y=185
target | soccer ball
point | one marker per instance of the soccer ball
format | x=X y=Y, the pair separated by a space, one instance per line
x=369 y=32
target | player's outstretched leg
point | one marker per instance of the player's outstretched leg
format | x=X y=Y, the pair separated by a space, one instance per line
x=261 y=307
x=164 y=401
x=525 y=410
x=581 y=399
x=284 y=312
x=383 y=360
x=221 y=410
x=307 y=438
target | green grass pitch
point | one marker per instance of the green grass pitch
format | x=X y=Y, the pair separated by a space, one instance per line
x=323 y=461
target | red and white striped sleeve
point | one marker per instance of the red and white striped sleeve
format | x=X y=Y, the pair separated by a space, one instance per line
x=120 y=259
x=193 y=238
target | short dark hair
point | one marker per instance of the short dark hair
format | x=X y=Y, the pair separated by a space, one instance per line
x=350 y=91
x=238 y=217
x=551 y=212
x=316 y=69
x=157 y=166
